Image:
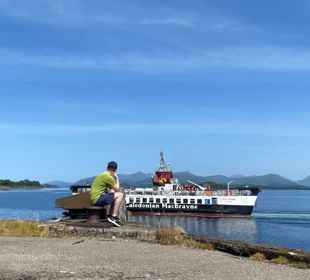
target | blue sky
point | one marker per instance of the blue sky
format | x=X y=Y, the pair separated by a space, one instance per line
x=221 y=86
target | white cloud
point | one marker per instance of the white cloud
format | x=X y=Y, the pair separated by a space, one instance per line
x=223 y=127
x=167 y=21
x=73 y=13
x=63 y=129
x=58 y=12
x=249 y=58
x=35 y=10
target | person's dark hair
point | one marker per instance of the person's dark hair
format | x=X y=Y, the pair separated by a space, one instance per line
x=112 y=165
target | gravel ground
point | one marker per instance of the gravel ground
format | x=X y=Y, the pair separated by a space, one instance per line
x=77 y=258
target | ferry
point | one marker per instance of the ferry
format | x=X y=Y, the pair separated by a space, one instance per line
x=167 y=197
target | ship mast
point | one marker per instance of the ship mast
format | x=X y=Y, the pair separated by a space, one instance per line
x=164 y=174
x=163 y=165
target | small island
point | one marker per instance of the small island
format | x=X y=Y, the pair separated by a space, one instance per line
x=7 y=184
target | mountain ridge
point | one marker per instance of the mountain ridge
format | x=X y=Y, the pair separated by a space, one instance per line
x=265 y=181
x=58 y=183
x=305 y=181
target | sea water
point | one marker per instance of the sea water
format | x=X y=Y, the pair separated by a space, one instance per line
x=36 y=204
x=281 y=217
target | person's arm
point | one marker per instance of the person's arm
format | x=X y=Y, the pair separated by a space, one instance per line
x=116 y=187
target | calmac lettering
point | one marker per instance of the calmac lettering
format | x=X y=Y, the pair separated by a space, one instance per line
x=158 y=206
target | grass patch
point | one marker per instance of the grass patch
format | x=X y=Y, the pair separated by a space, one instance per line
x=22 y=228
x=280 y=260
x=300 y=265
x=259 y=257
x=177 y=236
x=171 y=236
x=199 y=245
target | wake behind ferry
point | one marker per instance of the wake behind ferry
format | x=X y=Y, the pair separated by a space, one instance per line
x=168 y=197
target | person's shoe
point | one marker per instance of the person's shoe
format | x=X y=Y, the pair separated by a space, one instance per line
x=114 y=220
x=119 y=221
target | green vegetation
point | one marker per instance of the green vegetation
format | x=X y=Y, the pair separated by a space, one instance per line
x=259 y=257
x=18 y=184
x=171 y=236
x=177 y=236
x=280 y=260
x=22 y=228
x=165 y=236
x=300 y=265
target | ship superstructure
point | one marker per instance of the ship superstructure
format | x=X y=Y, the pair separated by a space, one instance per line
x=168 y=197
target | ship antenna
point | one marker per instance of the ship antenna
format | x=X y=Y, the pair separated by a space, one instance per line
x=162 y=160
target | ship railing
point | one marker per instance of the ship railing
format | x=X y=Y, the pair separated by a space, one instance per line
x=234 y=192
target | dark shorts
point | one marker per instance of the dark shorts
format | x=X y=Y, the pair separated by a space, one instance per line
x=105 y=199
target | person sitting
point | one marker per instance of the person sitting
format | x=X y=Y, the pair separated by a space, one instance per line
x=105 y=190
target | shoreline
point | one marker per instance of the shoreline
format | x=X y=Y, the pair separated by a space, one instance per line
x=30 y=188
x=177 y=236
x=116 y=258
x=164 y=236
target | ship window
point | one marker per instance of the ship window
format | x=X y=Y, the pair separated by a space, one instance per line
x=138 y=199
x=144 y=200
x=214 y=200
x=199 y=201
x=178 y=200
x=171 y=200
x=151 y=199
x=192 y=201
x=164 y=200
x=157 y=200
x=185 y=201
x=131 y=200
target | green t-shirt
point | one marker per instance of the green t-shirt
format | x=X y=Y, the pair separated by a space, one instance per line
x=103 y=183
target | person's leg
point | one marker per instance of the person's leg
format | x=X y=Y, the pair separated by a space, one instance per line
x=105 y=199
x=111 y=208
x=118 y=198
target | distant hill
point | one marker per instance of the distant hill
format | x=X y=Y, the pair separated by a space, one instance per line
x=85 y=181
x=61 y=184
x=220 y=179
x=132 y=179
x=305 y=181
x=269 y=180
x=237 y=176
x=184 y=176
x=141 y=179
x=145 y=179
x=137 y=178
x=274 y=181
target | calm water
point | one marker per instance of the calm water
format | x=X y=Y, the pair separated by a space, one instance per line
x=281 y=218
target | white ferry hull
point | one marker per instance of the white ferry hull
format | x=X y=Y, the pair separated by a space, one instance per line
x=200 y=206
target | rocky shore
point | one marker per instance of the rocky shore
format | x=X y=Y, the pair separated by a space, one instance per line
x=79 y=250
x=104 y=258
x=174 y=236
